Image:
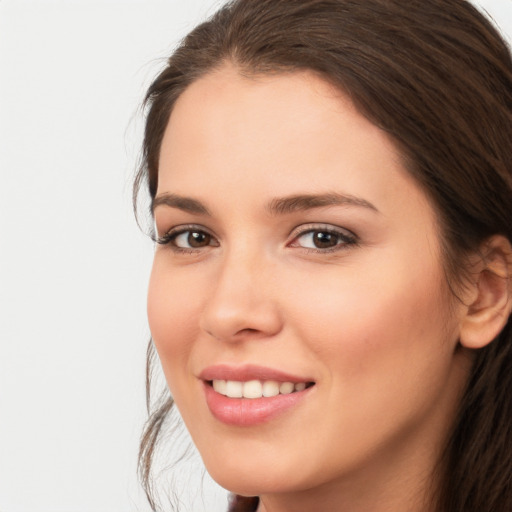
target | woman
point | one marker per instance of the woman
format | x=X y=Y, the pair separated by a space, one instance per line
x=331 y=185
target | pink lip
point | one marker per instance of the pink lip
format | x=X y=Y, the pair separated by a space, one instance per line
x=245 y=412
x=248 y=372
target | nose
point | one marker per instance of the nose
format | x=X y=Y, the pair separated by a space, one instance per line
x=242 y=303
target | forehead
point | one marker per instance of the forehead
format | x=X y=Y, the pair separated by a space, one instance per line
x=227 y=102
x=276 y=135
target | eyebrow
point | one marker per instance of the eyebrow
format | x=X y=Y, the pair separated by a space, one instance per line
x=186 y=204
x=277 y=206
x=284 y=205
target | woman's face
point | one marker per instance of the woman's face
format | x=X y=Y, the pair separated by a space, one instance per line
x=297 y=253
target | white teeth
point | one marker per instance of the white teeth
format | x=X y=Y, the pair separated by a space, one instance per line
x=234 y=389
x=252 y=389
x=255 y=388
x=286 y=388
x=270 y=388
x=220 y=386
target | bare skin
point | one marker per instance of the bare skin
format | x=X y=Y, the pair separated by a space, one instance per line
x=304 y=245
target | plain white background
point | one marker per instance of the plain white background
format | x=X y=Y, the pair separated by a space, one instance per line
x=73 y=264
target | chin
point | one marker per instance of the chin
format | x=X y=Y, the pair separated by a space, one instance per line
x=250 y=478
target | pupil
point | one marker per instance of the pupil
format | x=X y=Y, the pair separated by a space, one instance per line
x=322 y=239
x=198 y=239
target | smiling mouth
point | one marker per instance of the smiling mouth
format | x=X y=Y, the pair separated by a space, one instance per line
x=257 y=388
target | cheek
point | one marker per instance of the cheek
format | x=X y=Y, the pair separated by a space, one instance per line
x=385 y=353
x=172 y=306
x=377 y=324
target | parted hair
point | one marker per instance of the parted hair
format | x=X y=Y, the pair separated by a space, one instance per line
x=436 y=75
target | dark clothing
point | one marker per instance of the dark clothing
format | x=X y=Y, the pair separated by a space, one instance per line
x=242 y=503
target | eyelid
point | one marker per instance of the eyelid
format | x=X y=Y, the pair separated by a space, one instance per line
x=348 y=237
x=321 y=226
x=175 y=231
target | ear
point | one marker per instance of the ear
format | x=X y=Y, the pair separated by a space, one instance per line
x=490 y=294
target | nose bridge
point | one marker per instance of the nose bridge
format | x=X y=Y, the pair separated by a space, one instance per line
x=241 y=301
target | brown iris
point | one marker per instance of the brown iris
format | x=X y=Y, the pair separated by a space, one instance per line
x=198 y=239
x=324 y=239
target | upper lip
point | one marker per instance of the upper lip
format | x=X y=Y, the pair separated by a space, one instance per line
x=248 y=372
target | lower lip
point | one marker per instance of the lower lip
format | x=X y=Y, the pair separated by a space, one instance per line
x=246 y=412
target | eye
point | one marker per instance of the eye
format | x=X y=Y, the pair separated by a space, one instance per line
x=187 y=238
x=323 y=238
x=192 y=239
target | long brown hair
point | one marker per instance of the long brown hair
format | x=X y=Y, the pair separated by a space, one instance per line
x=437 y=77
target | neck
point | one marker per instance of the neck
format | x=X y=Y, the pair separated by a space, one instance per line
x=395 y=495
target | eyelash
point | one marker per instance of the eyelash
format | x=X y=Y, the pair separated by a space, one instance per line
x=345 y=238
x=169 y=238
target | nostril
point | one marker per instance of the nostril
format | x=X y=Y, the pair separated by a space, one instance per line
x=248 y=331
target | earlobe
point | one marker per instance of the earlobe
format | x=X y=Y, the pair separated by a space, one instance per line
x=491 y=294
